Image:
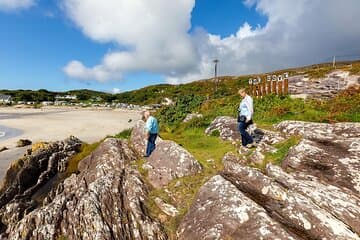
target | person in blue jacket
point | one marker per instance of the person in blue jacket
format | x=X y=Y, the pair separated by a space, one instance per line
x=246 y=111
x=152 y=131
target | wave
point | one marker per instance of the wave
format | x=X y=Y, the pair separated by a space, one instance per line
x=2 y=134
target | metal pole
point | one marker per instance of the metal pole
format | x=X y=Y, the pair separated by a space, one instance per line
x=215 y=78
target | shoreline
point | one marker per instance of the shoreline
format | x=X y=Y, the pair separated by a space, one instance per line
x=57 y=123
x=7 y=133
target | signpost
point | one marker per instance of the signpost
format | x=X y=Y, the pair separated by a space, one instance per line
x=272 y=84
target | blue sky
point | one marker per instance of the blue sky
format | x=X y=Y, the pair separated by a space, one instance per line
x=40 y=40
x=75 y=44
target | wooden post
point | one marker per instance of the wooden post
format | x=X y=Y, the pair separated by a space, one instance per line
x=280 y=87
x=286 y=86
x=274 y=87
x=268 y=84
x=264 y=87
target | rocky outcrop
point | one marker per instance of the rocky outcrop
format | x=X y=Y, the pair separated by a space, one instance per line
x=23 y=143
x=106 y=200
x=313 y=195
x=169 y=161
x=221 y=211
x=138 y=137
x=29 y=175
x=325 y=87
x=329 y=152
x=228 y=130
x=3 y=149
x=31 y=172
x=226 y=126
x=297 y=212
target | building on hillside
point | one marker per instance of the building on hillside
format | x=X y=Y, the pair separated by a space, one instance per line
x=5 y=99
x=47 y=103
x=66 y=97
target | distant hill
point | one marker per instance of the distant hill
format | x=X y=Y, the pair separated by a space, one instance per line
x=227 y=86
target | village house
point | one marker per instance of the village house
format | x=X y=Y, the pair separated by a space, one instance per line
x=66 y=97
x=5 y=99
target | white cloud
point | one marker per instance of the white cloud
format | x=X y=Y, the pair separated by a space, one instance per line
x=13 y=5
x=153 y=32
x=116 y=90
x=155 y=37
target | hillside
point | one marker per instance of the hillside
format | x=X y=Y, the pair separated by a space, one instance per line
x=227 y=86
x=301 y=181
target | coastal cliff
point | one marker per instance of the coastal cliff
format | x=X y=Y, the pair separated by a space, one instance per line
x=313 y=194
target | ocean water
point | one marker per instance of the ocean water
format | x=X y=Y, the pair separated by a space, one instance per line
x=6 y=133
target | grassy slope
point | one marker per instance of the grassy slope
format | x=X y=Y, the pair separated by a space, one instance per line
x=209 y=150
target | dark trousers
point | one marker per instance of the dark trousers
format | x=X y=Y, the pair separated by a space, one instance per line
x=151 y=144
x=245 y=136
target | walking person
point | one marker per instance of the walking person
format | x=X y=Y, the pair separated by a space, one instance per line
x=245 y=114
x=152 y=131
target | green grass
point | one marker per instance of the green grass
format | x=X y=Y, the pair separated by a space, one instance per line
x=85 y=150
x=125 y=134
x=282 y=151
x=183 y=190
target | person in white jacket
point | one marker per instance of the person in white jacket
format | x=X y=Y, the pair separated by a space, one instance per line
x=246 y=111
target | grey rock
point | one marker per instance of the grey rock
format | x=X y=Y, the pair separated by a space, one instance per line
x=329 y=152
x=340 y=202
x=227 y=127
x=168 y=209
x=221 y=211
x=296 y=212
x=257 y=157
x=138 y=137
x=232 y=157
x=325 y=87
x=104 y=201
x=170 y=161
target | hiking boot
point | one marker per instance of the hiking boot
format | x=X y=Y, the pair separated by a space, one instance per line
x=250 y=145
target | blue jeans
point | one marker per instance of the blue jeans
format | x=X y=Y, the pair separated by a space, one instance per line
x=245 y=137
x=151 y=144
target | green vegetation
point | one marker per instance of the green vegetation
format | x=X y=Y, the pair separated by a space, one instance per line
x=184 y=105
x=85 y=150
x=209 y=151
x=282 y=150
x=125 y=134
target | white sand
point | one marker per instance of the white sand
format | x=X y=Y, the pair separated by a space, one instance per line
x=59 y=123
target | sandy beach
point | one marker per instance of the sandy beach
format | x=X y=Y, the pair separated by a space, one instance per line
x=53 y=124
x=59 y=123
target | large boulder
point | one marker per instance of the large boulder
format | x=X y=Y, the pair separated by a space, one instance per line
x=106 y=200
x=221 y=211
x=339 y=201
x=297 y=212
x=226 y=126
x=28 y=174
x=330 y=152
x=138 y=137
x=169 y=161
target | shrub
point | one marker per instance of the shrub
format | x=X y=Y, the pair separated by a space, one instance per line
x=184 y=105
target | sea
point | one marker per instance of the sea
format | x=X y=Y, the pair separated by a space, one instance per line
x=6 y=133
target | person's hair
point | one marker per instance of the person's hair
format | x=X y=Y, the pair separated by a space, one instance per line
x=242 y=90
x=145 y=114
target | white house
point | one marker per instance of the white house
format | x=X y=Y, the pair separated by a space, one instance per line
x=5 y=99
x=66 y=97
